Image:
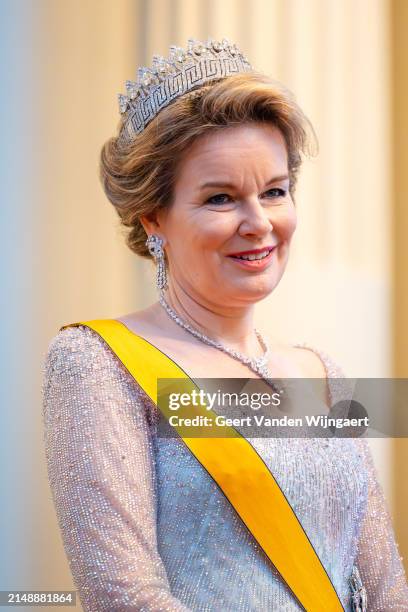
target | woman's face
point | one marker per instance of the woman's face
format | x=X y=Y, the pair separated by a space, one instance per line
x=231 y=195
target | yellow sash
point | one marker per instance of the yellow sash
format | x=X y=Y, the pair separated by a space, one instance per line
x=238 y=470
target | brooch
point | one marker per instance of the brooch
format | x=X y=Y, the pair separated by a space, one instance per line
x=358 y=592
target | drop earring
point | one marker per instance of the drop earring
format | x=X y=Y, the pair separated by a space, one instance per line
x=155 y=245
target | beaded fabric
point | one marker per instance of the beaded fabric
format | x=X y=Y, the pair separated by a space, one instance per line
x=146 y=528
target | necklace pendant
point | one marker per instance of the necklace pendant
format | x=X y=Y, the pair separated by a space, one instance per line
x=257 y=364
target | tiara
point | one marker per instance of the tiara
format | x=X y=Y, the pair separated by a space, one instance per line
x=169 y=78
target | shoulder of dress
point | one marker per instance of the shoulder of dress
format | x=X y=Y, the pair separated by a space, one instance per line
x=332 y=368
x=79 y=353
x=338 y=385
x=72 y=343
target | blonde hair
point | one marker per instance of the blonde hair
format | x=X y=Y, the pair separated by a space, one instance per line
x=138 y=178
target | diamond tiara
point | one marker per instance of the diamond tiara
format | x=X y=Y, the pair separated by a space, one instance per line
x=170 y=78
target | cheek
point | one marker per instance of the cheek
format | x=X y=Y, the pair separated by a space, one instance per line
x=199 y=241
x=288 y=223
x=212 y=233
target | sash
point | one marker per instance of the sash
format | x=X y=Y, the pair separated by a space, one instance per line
x=238 y=470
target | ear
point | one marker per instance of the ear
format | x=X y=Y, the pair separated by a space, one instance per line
x=153 y=223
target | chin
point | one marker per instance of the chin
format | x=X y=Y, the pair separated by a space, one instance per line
x=264 y=282
x=255 y=291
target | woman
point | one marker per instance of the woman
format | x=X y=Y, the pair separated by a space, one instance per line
x=203 y=174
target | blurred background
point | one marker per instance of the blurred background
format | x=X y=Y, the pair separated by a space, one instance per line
x=64 y=258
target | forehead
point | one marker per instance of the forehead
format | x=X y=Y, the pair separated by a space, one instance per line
x=253 y=145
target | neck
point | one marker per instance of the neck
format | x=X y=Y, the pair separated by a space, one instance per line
x=233 y=327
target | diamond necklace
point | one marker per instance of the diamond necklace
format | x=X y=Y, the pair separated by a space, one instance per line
x=256 y=364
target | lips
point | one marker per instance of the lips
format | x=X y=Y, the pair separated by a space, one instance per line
x=255 y=265
x=267 y=247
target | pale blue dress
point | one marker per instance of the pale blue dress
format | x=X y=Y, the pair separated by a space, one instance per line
x=144 y=526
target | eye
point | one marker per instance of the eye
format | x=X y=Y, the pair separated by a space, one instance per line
x=277 y=192
x=211 y=200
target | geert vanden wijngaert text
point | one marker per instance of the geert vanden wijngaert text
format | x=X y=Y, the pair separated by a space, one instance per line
x=259 y=420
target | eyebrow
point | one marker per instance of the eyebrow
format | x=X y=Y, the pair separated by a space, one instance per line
x=232 y=186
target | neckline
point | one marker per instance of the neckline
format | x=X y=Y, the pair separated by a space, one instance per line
x=305 y=345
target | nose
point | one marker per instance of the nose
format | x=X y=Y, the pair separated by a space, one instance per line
x=256 y=219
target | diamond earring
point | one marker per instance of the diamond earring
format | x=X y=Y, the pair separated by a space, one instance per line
x=155 y=245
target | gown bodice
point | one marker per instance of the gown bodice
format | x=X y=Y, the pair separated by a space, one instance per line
x=146 y=528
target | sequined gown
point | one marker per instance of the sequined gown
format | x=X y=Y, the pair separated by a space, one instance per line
x=146 y=528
